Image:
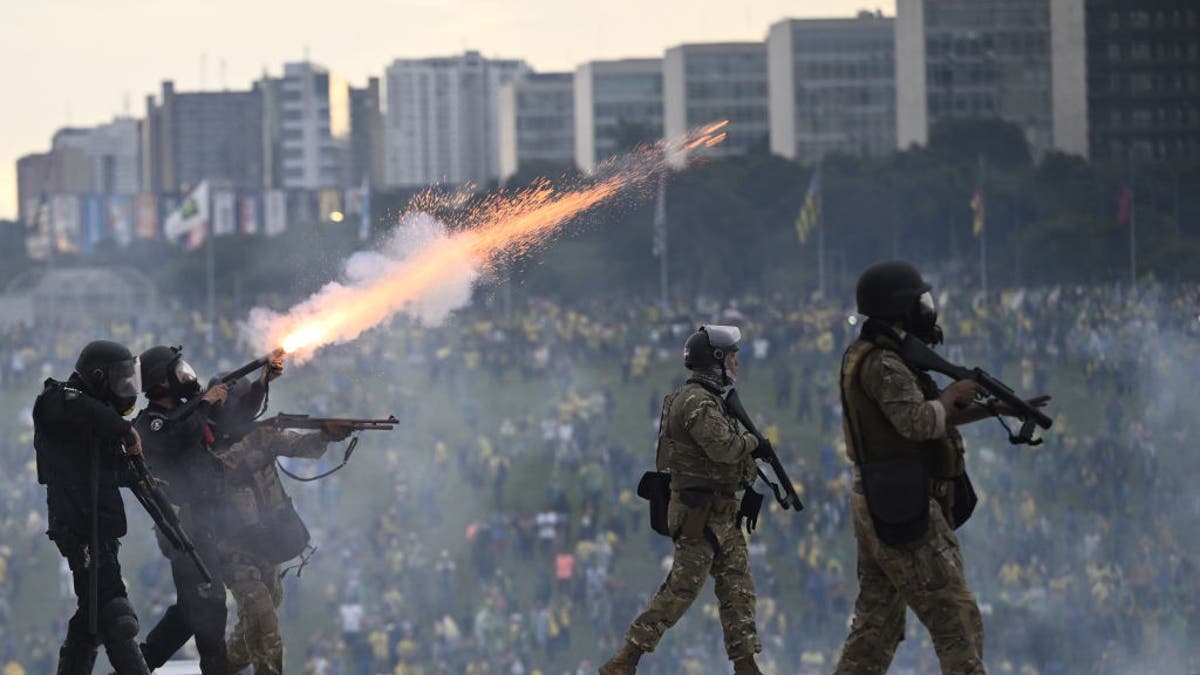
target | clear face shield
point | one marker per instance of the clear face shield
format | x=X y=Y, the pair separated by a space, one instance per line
x=184 y=373
x=125 y=378
x=725 y=338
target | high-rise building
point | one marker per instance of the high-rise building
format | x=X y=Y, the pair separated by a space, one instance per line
x=993 y=59
x=99 y=160
x=704 y=83
x=310 y=133
x=366 y=135
x=195 y=136
x=1143 y=79
x=537 y=121
x=618 y=105
x=832 y=87
x=442 y=119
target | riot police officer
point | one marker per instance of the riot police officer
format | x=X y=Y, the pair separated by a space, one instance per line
x=178 y=451
x=80 y=435
x=909 y=462
x=709 y=459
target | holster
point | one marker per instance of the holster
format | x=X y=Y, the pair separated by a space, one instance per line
x=698 y=506
x=965 y=500
x=897 y=493
x=655 y=487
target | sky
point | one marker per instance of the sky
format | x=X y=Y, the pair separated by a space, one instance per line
x=81 y=62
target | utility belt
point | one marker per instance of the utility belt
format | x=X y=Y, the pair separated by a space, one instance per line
x=898 y=492
x=655 y=487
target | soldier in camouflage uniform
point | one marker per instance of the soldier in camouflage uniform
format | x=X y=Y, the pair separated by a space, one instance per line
x=891 y=415
x=265 y=532
x=709 y=458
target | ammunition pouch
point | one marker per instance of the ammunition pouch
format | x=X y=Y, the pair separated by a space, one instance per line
x=965 y=499
x=749 y=509
x=655 y=487
x=897 y=494
x=279 y=537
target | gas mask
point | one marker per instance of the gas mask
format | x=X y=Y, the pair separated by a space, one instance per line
x=181 y=382
x=922 y=320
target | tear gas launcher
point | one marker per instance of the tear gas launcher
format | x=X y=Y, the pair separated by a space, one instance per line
x=918 y=355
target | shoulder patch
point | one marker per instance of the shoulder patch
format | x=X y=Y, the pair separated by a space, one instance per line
x=156 y=424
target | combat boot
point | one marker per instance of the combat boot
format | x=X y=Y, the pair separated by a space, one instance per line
x=746 y=666
x=624 y=662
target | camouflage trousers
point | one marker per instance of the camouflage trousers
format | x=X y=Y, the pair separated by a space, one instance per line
x=255 y=639
x=725 y=558
x=927 y=575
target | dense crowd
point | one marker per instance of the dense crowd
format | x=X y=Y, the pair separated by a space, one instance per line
x=498 y=532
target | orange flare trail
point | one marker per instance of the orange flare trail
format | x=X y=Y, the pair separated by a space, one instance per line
x=502 y=225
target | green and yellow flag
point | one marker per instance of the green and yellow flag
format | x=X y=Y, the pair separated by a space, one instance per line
x=809 y=216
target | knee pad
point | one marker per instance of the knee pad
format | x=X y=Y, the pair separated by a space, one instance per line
x=118 y=622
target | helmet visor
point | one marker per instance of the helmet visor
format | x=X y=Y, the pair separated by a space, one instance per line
x=723 y=337
x=125 y=378
x=184 y=373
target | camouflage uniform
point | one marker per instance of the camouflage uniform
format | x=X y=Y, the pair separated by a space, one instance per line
x=890 y=411
x=709 y=459
x=251 y=551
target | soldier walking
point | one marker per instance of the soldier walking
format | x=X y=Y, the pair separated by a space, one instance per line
x=709 y=459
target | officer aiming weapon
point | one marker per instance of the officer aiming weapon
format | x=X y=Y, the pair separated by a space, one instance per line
x=232 y=376
x=785 y=492
x=355 y=424
x=918 y=355
x=145 y=488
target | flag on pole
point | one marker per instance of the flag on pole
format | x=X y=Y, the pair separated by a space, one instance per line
x=977 y=209
x=660 y=218
x=810 y=212
x=1124 y=205
x=189 y=223
x=364 y=210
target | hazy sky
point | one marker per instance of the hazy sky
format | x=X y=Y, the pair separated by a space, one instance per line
x=81 y=62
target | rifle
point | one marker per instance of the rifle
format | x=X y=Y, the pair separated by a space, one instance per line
x=918 y=355
x=188 y=408
x=785 y=492
x=292 y=421
x=161 y=512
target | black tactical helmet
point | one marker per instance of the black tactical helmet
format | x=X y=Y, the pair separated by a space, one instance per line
x=110 y=372
x=709 y=345
x=166 y=363
x=889 y=289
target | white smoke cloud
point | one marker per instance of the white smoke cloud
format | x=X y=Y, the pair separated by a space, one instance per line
x=417 y=234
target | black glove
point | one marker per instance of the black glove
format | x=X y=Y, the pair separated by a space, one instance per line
x=763 y=450
x=750 y=506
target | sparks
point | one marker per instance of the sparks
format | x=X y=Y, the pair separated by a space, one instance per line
x=501 y=226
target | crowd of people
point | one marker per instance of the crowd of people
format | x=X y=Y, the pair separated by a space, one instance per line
x=497 y=530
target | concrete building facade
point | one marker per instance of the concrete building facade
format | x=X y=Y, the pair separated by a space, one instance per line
x=832 y=87
x=442 y=118
x=537 y=121
x=618 y=104
x=704 y=83
x=1143 y=79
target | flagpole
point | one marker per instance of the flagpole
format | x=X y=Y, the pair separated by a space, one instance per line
x=210 y=264
x=820 y=235
x=1132 y=231
x=983 y=278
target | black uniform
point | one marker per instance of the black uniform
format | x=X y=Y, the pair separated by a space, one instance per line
x=77 y=440
x=177 y=451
